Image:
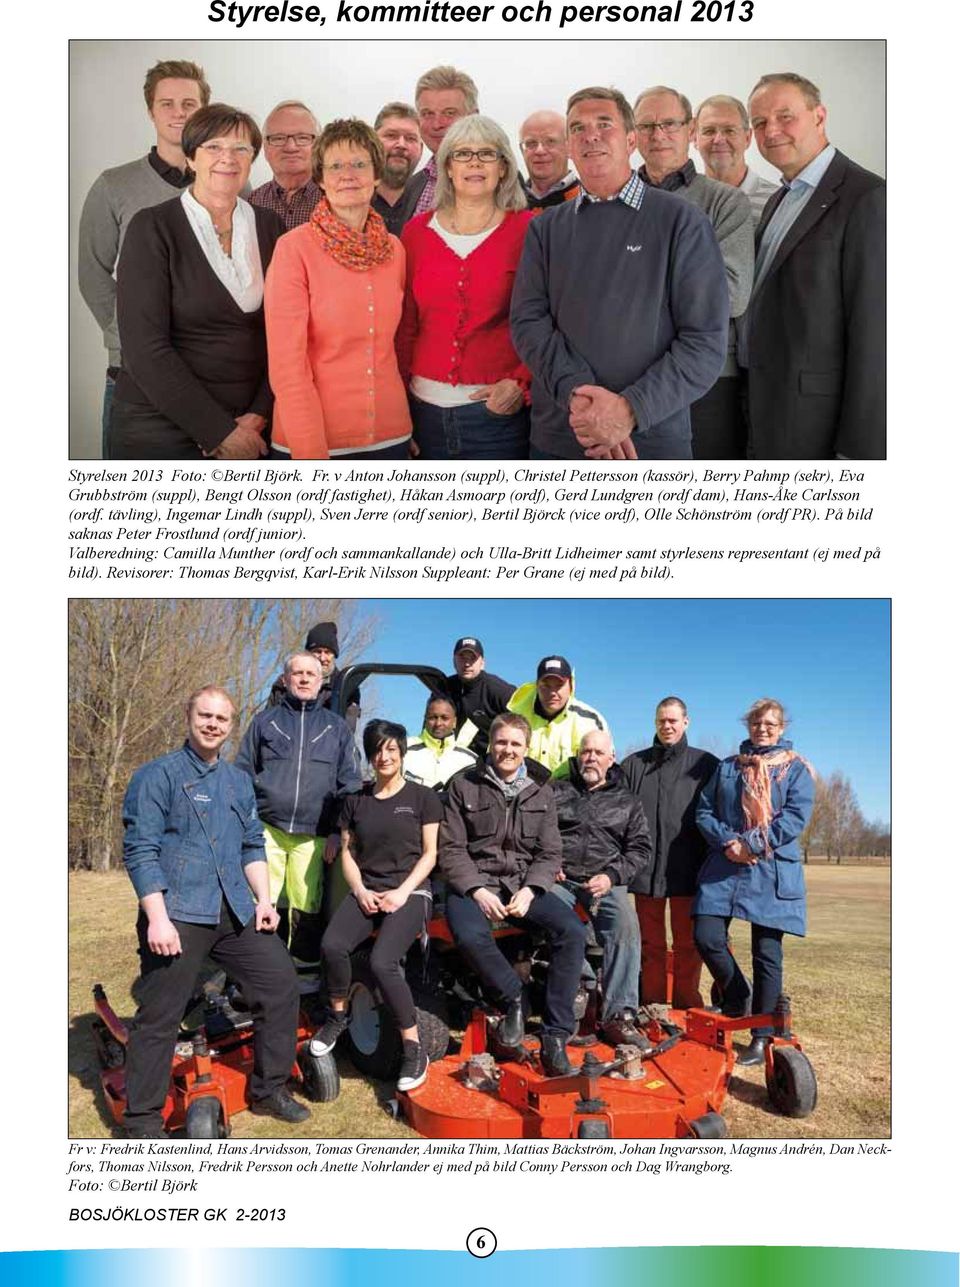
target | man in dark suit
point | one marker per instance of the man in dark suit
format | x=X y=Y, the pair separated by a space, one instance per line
x=814 y=342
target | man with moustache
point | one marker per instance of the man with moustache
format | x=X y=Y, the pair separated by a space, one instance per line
x=620 y=307
x=814 y=338
x=668 y=778
x=288 y=137
x=193 y=848
x=722 y=135
x=395 y=198
x=543 y=145
x=664 y=132
x=443 y=95
x=500 y=853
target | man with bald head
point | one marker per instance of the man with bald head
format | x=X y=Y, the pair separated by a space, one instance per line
x=289 y=133
x=605 y=842
x=543 y=143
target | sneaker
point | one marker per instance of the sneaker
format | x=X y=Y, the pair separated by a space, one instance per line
x=413 y=1068
x=335 y=1025
x=622 y=1030
x=281 y=1104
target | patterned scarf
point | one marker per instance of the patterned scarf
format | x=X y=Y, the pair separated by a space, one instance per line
x=759 y=770
x=358 y=250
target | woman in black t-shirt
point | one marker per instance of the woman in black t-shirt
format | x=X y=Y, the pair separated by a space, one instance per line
x=388 y=847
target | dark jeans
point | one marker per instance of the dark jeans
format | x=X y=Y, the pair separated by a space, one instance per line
x=710 y=936
x=568 y=941
x=396 y=932
x=259 y=963
x=470 y=432
x=717 y=421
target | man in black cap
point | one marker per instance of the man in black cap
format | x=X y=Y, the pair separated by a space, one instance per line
x=477 y=695
x=559 y=721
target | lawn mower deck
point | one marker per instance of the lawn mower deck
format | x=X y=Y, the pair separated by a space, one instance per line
x=210 y=1072
x=676 y=1092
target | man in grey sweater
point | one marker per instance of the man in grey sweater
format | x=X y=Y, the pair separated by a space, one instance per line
x=665 y=129
x=173 y=91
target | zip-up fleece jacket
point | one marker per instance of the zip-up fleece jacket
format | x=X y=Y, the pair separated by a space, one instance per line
x=603 y=831
x=555 y=740
x=303 y=761
x=490 y=842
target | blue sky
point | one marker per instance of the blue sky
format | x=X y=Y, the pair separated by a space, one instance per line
x=827 y=660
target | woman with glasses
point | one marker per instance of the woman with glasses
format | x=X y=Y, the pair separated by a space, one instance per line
x=752 y=813
x=190 y=307
x=468 y=388
x=333 y=300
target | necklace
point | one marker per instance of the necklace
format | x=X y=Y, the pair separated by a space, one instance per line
x=473 y=232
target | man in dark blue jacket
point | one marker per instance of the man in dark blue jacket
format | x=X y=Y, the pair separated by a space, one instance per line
x=193 y=847
x=620 y=307
x=303 y=761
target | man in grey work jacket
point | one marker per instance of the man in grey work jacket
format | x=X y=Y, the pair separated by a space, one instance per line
x=193 y=848
x=620 y=306
x=303 y=761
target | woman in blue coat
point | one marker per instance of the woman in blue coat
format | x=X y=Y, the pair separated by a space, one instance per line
x=752 y=813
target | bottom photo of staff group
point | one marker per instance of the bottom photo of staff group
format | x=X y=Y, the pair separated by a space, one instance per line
x=505 y=869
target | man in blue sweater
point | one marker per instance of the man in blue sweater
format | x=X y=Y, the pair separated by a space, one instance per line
x=620 y=307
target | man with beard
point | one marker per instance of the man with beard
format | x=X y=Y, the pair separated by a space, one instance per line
x=668 y=777
x=398 y=130
x=605 y=847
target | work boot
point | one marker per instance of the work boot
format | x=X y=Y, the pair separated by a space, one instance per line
x=146 y=1133
x=413 y=1069
x=510 y=1031
x=553 y=1055
x=280 y=1104
x=754 y=1054
x=622 y=1030
x=325 y=1038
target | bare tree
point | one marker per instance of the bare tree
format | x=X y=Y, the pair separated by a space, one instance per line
x=133 y=662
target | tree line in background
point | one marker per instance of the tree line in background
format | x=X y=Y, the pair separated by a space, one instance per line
x=132 y=663
x=838 y=829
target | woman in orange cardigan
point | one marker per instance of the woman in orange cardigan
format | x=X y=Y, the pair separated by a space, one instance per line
x=333 y=299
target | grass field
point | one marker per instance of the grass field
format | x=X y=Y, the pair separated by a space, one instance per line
x=838 y=980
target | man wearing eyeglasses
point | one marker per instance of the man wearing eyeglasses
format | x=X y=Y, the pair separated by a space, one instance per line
x=443 y=95
x=543 y=142
x=288 y=136
x=722 y=134
x=665 y=130
x=620 y=307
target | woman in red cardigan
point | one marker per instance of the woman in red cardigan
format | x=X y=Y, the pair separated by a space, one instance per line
x=468 y=388
x=333 y=300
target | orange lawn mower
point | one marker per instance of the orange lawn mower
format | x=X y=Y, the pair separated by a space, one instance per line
x=211 y=1068
x=484 y=1091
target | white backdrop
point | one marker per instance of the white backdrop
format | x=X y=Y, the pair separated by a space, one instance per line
x=355 y=78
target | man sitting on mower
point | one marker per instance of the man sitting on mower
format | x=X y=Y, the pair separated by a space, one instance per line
x=500 y=853
x=193 y=847
x=605 y=843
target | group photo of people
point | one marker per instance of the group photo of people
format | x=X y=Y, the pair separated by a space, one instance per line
x=589 y=799
x=671 y=251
